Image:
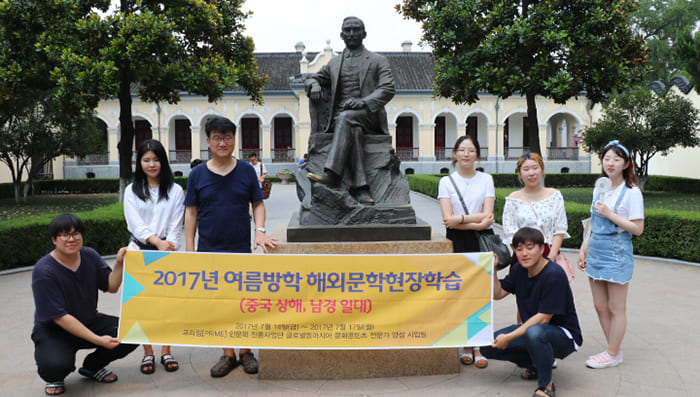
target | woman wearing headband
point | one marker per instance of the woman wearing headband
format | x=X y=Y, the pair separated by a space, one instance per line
x=608 y=259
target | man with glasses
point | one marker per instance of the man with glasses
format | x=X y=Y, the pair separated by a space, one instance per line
x=218 y=195
x=65 y=284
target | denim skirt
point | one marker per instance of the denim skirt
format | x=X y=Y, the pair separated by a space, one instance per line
x=610 y=257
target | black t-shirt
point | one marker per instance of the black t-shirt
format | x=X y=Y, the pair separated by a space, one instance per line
x=59 y=291
x=548 y=293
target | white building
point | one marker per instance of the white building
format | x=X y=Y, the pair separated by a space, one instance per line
x=424 y=128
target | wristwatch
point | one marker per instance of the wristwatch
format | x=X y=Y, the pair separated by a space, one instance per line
x=261 y=229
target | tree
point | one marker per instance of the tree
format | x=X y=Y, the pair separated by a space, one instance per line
x=688 y=50
x=661 y=24
x=646 y=124
x=40 y=117
x=30 y=140
x=164 y=49
x=554 y=48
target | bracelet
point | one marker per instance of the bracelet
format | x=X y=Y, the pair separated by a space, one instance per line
x=462 y=221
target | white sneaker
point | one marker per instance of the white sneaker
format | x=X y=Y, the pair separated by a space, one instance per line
x=604 y=360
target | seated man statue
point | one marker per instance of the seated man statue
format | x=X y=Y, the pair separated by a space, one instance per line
x=360 y=83
x=65 y=284
x=545 y=303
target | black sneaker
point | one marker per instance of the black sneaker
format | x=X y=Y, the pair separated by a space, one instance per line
x=249 y=362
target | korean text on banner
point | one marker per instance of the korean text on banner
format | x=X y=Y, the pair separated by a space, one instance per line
x=294 y=301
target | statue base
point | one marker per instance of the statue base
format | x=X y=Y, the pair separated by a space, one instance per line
x=296 y=233
x=349 y=364
x=324 y=205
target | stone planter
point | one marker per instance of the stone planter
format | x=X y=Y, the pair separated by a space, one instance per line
x=285 y=176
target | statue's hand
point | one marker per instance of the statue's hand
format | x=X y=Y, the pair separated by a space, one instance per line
x=354 y=104
x=315 y=92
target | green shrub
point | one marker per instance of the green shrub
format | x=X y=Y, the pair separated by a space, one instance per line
x=426 y=184
x=76 y=186
x=26 y=240
x=672 y=184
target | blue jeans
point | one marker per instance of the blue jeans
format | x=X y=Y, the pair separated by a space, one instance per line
x=537 y=348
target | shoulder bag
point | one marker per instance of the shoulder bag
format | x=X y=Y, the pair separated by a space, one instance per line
x=266 y=185
x=488 y=242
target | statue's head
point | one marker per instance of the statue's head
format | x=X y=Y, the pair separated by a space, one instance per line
x=353 y=32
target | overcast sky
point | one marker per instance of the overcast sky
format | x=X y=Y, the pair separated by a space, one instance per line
x=277 y=25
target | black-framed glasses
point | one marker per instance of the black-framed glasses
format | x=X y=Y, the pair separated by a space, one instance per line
x=66 y=236
x=222 y=138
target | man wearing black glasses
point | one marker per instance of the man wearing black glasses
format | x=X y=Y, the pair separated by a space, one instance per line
x=65 y=284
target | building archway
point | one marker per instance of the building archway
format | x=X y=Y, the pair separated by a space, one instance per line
x=101 y=155
x=180 y=140
x=445 y=134
x=250 y=137
x=406 y=137
x=283 y=139
x=562 y=137
x=477 y=127
x=515 y=136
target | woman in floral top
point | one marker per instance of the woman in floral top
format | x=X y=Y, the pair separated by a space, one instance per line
x=536 y=206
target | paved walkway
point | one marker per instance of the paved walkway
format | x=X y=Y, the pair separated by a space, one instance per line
x=661 y=346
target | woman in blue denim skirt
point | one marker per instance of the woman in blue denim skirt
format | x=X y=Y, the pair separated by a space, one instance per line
x=607 y=256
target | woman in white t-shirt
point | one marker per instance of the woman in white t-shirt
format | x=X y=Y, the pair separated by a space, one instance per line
x=607 y=255
x=478 y=195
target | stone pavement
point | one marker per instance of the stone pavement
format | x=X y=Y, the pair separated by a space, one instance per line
x=661 y=345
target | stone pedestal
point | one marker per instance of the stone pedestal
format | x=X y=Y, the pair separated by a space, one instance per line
x=323 y=205
x=297 y=233
x=347 y=364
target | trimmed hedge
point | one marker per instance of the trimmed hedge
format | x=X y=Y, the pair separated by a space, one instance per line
x=25 y=240
x=667 y=234
x=84 y=186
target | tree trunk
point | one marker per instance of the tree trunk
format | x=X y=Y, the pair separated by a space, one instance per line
x=18 y=191
x=126 y=141
x=642 y=180
x=533 y=127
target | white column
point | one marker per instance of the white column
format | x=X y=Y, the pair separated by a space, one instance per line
x=426 y=142
x=196 y=142
x=266 y=144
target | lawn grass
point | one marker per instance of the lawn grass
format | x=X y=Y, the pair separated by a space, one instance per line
x=55 y=204
x=71 y=203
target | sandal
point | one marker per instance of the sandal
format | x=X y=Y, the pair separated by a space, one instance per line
x=466 y=358
x=59 y=387
x=148 y=365
x=225 y=365
x=169 y=362
x=529 y=374
x=101 y=375
x=250 y=363
x=480 y=362
x=547 y=392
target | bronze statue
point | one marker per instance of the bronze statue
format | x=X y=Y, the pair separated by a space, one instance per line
x=360 y=83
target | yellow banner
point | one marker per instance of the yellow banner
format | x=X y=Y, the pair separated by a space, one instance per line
x=302 y=301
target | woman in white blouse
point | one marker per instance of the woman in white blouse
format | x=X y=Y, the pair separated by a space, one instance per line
x=154 y=208
x=536 y=206
x=467 y=187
